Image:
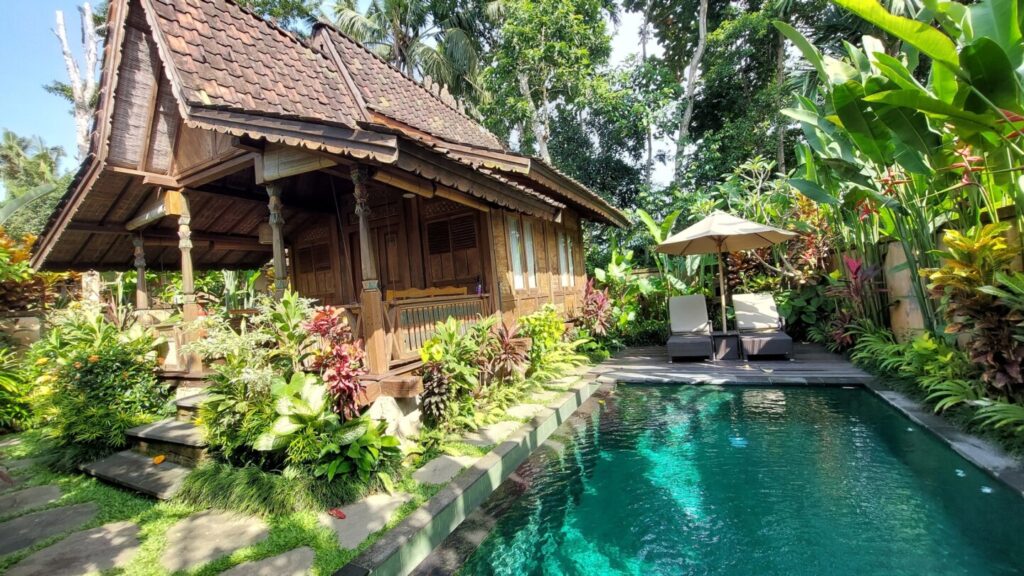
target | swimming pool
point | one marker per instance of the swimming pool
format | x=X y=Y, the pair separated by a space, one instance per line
x=747 y=480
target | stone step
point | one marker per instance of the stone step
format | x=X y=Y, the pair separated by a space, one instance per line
x=180 y=442
x=137 y=472
x=188 y=406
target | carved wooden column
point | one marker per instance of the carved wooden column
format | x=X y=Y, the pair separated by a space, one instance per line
x=189 y=308
x=277 y=228
x=141 y=289
x=370 y=301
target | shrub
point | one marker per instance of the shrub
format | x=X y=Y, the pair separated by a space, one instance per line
x=550 y=356
x=14 y=408
x=340 y=359
x=95 y=378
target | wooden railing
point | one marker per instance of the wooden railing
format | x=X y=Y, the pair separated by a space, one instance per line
x=412 y=321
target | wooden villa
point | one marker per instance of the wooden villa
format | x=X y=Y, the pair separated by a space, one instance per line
x=222 y=141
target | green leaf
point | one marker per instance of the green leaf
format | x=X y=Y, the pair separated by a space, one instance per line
x=813 y=191
x=868 y=133
x=350 y=432
x=918 y=34
x=920 y=101
x=894 y=70
x=809 y=51
x=988 y=70
x=999 y=21
x=386 y=482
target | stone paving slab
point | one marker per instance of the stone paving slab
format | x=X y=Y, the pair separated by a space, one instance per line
x=104 y=548
x=25 y=531
x=28 y=498
x=138 y=472
x=206 y=536
x=363 y=518
x=21 y=465
x=493 y=434
x=292 y=563
x=525 y=410
x=443 y=468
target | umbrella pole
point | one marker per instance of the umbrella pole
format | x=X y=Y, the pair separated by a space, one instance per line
x=721 y=284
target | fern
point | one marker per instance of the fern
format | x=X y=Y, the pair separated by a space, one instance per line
x=1000 y=414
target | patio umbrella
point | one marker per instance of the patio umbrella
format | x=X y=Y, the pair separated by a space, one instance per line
x=721 y=232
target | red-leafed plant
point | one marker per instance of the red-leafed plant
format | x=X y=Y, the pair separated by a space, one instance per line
x=596 y=311
x=339 y=358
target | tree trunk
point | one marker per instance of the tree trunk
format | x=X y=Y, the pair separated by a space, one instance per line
x=691 y=87
x=780 y=122
x=538 y=118
x=645 y=32
x=82 y=81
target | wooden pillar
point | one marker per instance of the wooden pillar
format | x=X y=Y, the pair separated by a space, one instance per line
x=371 y=304
x=141 y=289
x=277 y=228
x=189 y=308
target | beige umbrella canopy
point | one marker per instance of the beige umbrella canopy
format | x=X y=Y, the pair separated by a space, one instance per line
x=721 y=232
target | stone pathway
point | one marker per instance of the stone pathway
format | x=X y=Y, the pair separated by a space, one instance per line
x=442 y=469
x=17 y=466
x=363 y=518
x=104 y=548
x=25 y=531
x=292 y=563
x=28 y=498
x=490 y=435
x=206 y=536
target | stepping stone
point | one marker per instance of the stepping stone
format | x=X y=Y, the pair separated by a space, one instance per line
x=104 y=548
x=21 y=465
x=137 y=471
x=10 y=442
x=25 y=531
x=292 y=563
x=442 y=469
x=206 y=536
x=170 y=431
x=363 y=518
x=545 y=397
x=29 y=498
x=525 y=410
x=490 y=435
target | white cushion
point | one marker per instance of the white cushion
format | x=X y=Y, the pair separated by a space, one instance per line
x=688 y=314
x=756 y=312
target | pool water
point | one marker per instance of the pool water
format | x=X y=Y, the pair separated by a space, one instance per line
x=748 y=481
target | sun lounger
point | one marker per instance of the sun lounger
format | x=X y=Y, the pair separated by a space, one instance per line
x=760 y=326
x=691 y=330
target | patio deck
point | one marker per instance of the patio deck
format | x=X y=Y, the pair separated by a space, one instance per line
x=811 y=364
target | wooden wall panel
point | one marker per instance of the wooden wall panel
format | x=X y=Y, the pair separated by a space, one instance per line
x=165 y=128
x=195 y=147
x=506 y=299
x=136 y=88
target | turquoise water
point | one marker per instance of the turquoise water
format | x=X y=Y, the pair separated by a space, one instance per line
x=749 y=481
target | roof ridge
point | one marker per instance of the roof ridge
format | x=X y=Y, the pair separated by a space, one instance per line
x=331 y=27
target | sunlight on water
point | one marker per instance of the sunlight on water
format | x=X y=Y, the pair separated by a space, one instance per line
x=738 y=481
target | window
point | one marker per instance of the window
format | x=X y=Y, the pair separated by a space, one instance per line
x=522 y=257
x=565 y=259
x=515 y=241
x=531 y=262
x=453 y=257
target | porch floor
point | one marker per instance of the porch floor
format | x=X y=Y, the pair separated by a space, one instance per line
x=811 y=364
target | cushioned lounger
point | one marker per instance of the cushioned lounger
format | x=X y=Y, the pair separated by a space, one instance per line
x=691 y=330
x=760 y=327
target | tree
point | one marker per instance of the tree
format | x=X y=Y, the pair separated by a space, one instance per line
x=548 y=53
x=436 y=38
x=31 y=183
x=81 y=89
x=287 y=12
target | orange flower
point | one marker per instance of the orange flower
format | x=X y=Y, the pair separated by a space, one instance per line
x=158 y=460
x=78 y=364
x=94 y=358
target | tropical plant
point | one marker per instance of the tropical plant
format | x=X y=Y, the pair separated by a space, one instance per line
x=550 y=356
x=93 y=380
x=971 y=263
x=339 y=359
x=15 y=411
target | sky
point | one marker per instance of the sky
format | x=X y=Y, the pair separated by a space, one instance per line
x=30 y=58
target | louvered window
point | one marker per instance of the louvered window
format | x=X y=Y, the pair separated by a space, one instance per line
x=453 y=253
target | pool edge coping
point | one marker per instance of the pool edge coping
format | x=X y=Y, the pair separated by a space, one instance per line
x=400 y=550
x=985 y=455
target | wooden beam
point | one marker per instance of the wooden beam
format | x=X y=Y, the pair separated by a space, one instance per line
x=225 y=166
x=165 y=237
x=419 y=186
x=166 y=203
x=283 y=161
x=460 y=198
x=148 y=178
